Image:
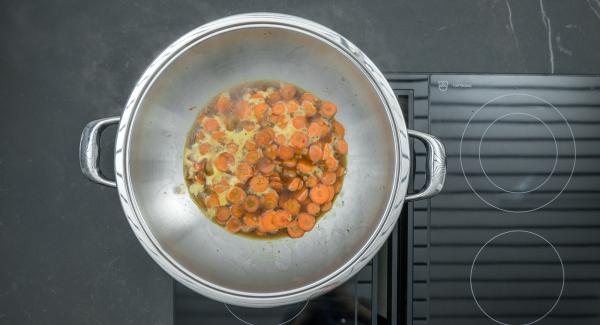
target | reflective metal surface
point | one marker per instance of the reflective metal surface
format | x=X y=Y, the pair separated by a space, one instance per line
x=89 y=150
x=204 y=256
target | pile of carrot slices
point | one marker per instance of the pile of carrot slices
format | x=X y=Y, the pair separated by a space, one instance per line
x=266 y=159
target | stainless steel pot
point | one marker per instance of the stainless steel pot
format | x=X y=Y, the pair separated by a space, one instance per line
x=149 y=153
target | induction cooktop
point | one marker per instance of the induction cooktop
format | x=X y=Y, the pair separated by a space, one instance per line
x=514 y=237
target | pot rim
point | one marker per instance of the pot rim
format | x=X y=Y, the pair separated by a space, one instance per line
x=387 y=220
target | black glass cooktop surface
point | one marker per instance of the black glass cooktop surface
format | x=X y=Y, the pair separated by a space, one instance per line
x=514 y=237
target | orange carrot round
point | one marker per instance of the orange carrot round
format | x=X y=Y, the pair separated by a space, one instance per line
x=223 y=213
x=306 y=221
x=223 y=161
x=302 y=195
x=294 y=184
x=342 y=146
x=237 y=211
x=244 y=171
x=281 y=218
x=259 y=183
x=319 y=194
x=234 y=225
x=313 y=208
x=339 y=129
x=286 y=152
x=328 y=109
x=294 y=230
x=269 y=200
x=292 y=106
x=278 y=108
x=328 y=178
x=299 y=122
x=236 y=195
x=299 y=140
x=210 y=124
x=315 y=153
x=309 y=108
x=314 y=130
x=212 y=201
x=311 y=181
x=251 y=203
x=204 y=148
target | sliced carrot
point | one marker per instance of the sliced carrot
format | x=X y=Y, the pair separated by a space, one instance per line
x=283 y=122
x=299 y=140
x=248 y=125
x=251 y=203
x=290 y=163
x=244 y=171
x=306 y=221
x=269 y=200
x=212 y=201
x=341 y=171
x=305 y=166
x=328 y=178
x=263 y=137
x=232 y=148
x=265 y=165
x=236 y=195
x=313 y=208
x=286 y=152
x=327 y=151
x=294 y=184
x=315 y=153
x=223 y=161
x=223 y=213
x=309 y=108
x=260 y=111
x=331 y=191
x=287 y=91
x=292 y=106
x=339 y=129
x=223 y=103
x=271 y=151
x=326 y=207
x=273 y=98
x=338 y=187
x=289 y=173
x=237 y=211
x=328 y=109
x=331 y=163
x=280 y=139
x=253 y=156
x=276 y=186
x=301 y=195
x=210 y=124
x=314 y=130
x=282 y=218
x=292 y=205
x=319 y=194
x=294 y=230
x=234 y=225
x=259 y=183
x=278 y=108
x=324 y=127
x=204 y=148
x=342 y=146
x=250 y=220
x=266 y=221
x=299 y=122
x=309 y=97
x=311 y=181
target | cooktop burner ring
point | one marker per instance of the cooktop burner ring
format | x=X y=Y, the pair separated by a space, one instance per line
x=482 y=309
x=241 y=319
x=555 y=154
x=480 y=195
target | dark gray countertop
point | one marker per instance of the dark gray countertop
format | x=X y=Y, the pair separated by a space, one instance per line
x=68 y=255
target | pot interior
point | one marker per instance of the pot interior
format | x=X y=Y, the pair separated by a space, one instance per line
x=157 y=136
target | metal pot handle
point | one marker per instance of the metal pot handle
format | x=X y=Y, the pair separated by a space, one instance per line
x=89 y=149
x=436 y=166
